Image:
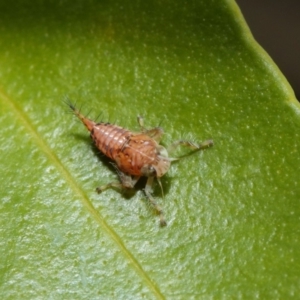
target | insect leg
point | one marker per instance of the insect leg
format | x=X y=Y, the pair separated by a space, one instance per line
x=155 y=133
x=140 y=120
x=148 y=192
x=191 y=145
x=127 y=181
x=102 y=188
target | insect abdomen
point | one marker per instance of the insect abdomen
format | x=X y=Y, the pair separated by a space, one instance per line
x=109 y=139
x=134 y=154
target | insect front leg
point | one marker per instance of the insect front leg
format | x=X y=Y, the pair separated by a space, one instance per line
x=155 y=133
x=193 y=146
x=102 y=188
x=148 y=192
x=127 y=182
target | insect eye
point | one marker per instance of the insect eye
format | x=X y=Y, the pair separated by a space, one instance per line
x=148 y=171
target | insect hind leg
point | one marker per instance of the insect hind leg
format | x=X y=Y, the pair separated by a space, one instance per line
x=189 y=144
x=148 y=192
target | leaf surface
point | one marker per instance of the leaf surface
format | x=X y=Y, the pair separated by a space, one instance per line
x=192 y=66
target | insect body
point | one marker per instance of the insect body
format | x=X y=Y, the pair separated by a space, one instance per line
x=135 y=154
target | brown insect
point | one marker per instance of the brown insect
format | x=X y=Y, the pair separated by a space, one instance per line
x=136 y=155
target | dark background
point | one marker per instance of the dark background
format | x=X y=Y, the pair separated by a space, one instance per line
x=276 y=27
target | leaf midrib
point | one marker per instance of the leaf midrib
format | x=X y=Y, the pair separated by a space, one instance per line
x=44 y=147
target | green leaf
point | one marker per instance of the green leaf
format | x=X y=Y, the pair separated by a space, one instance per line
x=192 y=66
